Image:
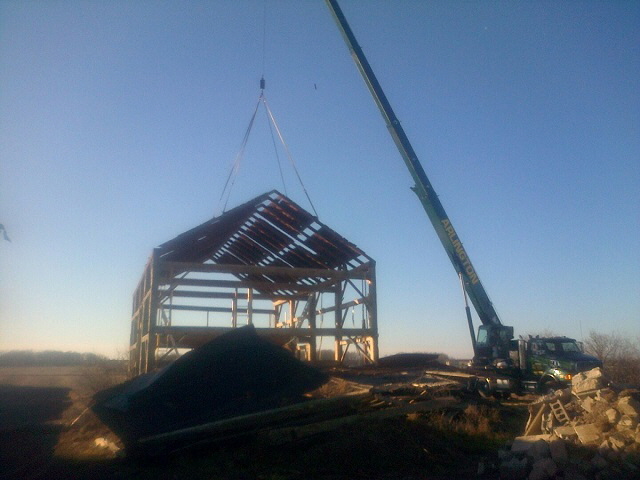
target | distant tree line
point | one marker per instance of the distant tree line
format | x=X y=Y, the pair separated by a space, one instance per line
x=54 y=358
x=620 y=356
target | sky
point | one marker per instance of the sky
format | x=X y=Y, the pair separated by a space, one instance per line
x=120 y=121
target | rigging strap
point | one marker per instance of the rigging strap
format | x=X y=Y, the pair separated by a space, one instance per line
x=236 y=163
x=231 y=178
x=286 y=149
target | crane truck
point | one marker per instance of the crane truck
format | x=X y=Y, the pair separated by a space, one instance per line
x=501 y=364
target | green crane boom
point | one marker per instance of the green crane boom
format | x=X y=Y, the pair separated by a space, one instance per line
x=427 y=196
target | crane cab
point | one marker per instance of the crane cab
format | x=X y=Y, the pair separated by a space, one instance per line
x=493 y=344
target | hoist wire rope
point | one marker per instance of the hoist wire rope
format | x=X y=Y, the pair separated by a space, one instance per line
x=288 y=152
x=275 y=151
x=236 y=164
x=272 y=124
x=264 y=34
x=231 y=178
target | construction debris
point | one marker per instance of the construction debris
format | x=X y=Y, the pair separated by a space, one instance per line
x=239 y=387
x=588 y=431
x=107 y=444
x=336 y=404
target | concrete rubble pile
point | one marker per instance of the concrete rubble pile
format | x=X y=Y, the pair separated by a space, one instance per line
x=588 y=431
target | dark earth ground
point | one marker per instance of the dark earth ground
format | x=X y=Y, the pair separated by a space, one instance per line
x=46 y=432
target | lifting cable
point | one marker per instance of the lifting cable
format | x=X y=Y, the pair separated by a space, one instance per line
x=272 y=124
x=286 y=149
x=236 y=164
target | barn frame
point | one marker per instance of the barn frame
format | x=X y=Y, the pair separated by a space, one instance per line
x=267 y=263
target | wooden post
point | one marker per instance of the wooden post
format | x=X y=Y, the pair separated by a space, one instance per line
x=311 y=306
x=153 y=311
x=249 y=306
x=234 y=309
x=338 y=321
x=148 y=332
x=372 y=308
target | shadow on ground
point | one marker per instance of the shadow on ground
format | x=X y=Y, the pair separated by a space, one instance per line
x=28 y=428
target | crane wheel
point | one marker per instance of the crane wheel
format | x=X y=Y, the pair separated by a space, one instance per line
x=483 y=387
x=549 y=386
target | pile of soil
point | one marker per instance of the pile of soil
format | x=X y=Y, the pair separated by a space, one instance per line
x=235 y=374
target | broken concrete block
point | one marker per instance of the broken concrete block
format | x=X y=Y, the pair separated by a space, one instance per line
x=607 y=395
x=547 y=423
x=588 y=434
x=539 y=449
x=632 y=468
x=588 y=404
x=628 y=434
x=612 y=415
x=109 y=445
x=572 y=473
x=617 y=441
x=482 y=468
x=514 y=469
x=543 y=469
x=586 y=381
x=525 y=443
x=486 y=467
x=604 y=448
x=633 y=450
x=565 y=431
x=558 y=451
x=628 y=406
x=599 y=462
x=628 y=422
x=504 y=454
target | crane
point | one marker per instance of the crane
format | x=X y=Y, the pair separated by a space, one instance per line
x=493 y=339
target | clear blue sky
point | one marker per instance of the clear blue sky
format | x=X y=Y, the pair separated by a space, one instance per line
x=119 y=122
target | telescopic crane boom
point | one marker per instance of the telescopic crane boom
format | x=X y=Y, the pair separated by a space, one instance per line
x=493 y=337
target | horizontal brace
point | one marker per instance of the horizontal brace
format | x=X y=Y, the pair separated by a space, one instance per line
x=256 y=285
x=353 y=303
x=358 y=272
x=196 y=308
x=199 y=294
x=293 y=332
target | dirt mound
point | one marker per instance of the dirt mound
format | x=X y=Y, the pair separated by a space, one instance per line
x=234 y=374
x=408 y=360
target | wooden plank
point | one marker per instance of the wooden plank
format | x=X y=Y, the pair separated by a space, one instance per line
x=197 y=308
x=282 y=425
x=444 y=373
x=344 y=306
x=357 y=273
x=283 y=435
x=256 y=285
x=203 y=294
x=293 y=332
x=253 y=421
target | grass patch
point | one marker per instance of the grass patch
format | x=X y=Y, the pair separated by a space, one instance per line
x=415 y=446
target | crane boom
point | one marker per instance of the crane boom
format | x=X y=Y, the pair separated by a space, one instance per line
x=423 y=188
